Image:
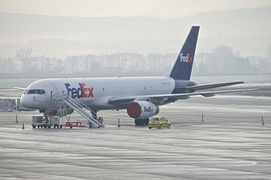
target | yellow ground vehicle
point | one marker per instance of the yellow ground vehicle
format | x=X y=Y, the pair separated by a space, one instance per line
x=159 y=122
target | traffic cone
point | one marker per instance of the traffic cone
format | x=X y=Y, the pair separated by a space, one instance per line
x=118 y=122
x=23 y=126
x=17 y=119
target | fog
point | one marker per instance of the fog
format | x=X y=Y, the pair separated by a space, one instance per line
x=234 y=40
x=222 y=60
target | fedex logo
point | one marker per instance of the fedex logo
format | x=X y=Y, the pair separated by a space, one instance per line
x=187 y=58
x=149 y=109
x=80 y=92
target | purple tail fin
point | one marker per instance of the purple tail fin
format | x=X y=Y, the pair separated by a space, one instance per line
x=183 y=65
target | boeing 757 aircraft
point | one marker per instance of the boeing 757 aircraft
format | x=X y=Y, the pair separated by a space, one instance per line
x=141 y=96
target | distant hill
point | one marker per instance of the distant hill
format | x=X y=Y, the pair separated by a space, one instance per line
x=246 y=30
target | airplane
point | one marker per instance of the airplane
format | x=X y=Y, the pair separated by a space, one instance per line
x=141 y=96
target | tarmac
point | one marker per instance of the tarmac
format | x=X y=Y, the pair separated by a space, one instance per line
x=229 y=142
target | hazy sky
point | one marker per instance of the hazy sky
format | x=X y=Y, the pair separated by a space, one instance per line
x=150 y=8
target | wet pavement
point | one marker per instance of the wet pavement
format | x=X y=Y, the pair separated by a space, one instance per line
x=230 y=143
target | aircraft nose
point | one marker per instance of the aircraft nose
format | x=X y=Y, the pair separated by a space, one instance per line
x=27 y=101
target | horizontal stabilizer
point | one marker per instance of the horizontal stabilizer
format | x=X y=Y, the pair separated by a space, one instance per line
x=210 y=86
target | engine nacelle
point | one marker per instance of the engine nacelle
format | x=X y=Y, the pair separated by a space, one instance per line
x=142 y=109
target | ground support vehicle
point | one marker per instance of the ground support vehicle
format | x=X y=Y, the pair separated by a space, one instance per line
x=41 y=122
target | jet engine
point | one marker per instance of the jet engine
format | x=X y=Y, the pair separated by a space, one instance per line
x=142 y=109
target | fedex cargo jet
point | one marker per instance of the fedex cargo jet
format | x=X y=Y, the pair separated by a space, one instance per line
x=141 y=96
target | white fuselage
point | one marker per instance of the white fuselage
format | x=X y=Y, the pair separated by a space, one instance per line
x=94 y=92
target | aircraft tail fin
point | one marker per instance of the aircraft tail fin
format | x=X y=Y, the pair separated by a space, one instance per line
x=183 y=65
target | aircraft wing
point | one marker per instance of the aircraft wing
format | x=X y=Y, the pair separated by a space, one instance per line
x=210 y=86
x=174 y=97
x=19 y=88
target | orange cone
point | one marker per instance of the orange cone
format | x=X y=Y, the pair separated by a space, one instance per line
x=23 y=126
x=119 y=122
x=17 y=119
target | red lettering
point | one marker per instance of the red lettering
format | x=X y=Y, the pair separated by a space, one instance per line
x=86 y=92
x=90 y=92
x=190 y=59
x=84 y=89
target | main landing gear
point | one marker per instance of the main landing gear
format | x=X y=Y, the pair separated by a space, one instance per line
x=142 y=122
x=99 y=119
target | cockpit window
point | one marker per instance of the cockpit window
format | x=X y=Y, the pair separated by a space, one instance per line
x=40 y=91
x=35 y=91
